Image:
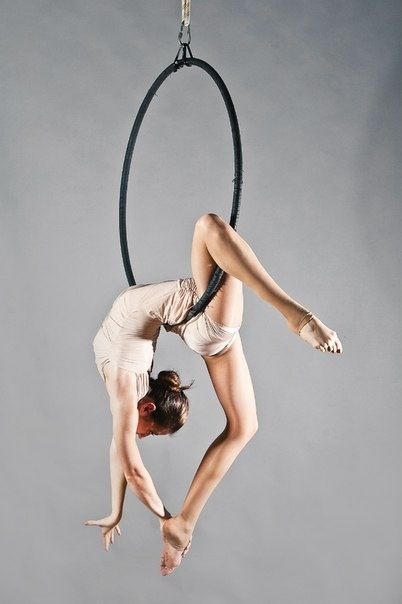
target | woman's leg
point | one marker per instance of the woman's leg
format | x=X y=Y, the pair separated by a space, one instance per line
x=215 y=242
x=226 y=307
x=231 y=379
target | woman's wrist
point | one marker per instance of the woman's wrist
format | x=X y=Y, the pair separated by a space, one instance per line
x=117 y=516
x=166 y=515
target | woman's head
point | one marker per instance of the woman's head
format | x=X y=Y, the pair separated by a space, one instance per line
x=165 y=408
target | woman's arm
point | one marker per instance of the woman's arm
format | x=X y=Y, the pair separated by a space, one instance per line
x=118 y=485
x=125 y=421
x=118 y=482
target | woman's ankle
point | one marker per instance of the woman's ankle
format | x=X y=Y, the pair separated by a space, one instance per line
x=185 y=524
x=295 y=316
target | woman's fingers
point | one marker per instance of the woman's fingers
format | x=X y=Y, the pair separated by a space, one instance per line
x=106 y=535
x=109 y=535
x=107 y=541
x=108 y=527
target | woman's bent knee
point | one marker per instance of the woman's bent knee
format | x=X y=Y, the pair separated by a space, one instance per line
x=209 y=220
x=242 y=433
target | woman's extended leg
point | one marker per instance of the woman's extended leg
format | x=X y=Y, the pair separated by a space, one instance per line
x=216 y=242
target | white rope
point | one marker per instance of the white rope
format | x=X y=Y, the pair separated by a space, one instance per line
x=185 y=11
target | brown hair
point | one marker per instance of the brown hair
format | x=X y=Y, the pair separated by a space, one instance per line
x=172 y=405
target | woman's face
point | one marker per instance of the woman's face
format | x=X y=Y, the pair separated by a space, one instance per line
x=149 y=428
x=146 y=426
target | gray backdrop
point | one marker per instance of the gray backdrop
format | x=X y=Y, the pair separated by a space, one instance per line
x=308 y=513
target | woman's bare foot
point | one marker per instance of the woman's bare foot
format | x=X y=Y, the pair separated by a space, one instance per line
x=314 y=332
x=176 y=543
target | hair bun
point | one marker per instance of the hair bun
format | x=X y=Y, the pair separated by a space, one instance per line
x=169 y=380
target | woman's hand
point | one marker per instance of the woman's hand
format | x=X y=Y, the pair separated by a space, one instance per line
x=167 y=516
x=109 y=525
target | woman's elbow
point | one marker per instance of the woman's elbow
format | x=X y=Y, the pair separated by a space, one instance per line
x=135 y=474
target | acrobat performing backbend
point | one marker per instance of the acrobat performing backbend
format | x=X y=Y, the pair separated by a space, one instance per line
x=141 y=405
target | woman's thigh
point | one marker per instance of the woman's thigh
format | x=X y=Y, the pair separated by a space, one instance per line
x=232 y=383
x=226 y=307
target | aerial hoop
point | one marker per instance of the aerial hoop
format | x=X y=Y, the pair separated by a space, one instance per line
x=185 y=60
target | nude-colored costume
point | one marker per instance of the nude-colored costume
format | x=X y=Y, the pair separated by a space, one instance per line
x=128 y=335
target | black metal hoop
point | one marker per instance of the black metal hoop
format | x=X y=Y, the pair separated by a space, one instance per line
x=216 y=278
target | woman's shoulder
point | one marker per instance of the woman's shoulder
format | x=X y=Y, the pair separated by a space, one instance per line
x=118 y=378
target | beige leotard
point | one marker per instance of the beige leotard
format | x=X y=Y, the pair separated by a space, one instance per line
x=128 y=335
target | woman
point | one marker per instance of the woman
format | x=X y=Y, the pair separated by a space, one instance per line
x=124 y=349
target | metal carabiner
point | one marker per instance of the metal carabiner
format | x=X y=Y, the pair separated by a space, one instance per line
x=179 y=37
